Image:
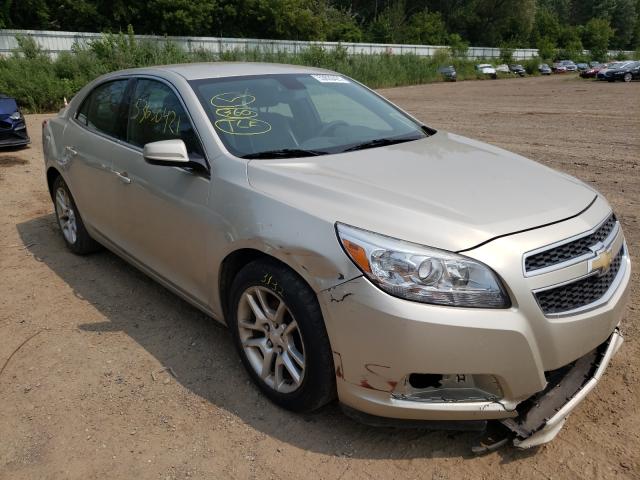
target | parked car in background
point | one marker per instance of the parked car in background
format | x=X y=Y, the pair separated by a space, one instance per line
x=591 y=72
x=582 y=66
x=569 y=65
x=625 y=72
x=559 y=68
x=503 y=68
x=493 y=291
x=448 y=73
x=602 y=73
x=487 y=69
x=594 y=64
x=518 y=70
x=544 y=69
x=13 y=129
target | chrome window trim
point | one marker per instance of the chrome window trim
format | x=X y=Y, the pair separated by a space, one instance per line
x=593 y=305
x=573 y=261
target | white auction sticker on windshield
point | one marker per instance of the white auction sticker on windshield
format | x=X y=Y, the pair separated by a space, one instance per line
x=330 y=79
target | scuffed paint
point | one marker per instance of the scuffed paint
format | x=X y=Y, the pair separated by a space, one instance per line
x=378 y=380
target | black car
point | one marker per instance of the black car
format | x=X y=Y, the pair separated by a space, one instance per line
x=13 y=129
x=582 y=67
x=448 y=73
x=518 y=70
x=625 y=72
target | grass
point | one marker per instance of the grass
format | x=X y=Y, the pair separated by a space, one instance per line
x=40 y=83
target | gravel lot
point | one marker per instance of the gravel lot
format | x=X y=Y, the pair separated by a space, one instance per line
x=78 y=399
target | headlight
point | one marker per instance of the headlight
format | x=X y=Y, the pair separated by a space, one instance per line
x=422 y=274
x=16 y=116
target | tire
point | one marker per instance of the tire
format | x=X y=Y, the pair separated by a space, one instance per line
x=284 y=303
x=72 y=227
x=627 y=77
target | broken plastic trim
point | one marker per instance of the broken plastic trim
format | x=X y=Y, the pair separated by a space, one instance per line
x=542 y=416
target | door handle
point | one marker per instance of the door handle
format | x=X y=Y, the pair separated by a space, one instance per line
x=72 y=151
x=124 y=178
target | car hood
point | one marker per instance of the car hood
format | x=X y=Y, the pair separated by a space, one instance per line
x=445 y=191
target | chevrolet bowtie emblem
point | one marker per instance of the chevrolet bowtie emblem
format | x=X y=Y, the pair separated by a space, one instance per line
x=602 y=262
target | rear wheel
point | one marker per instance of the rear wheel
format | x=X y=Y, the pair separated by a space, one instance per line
x=74 y=233
x=279 y=333
x=627 y=77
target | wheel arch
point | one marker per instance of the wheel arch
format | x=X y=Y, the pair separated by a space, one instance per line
x=52 y=174
x=237 y=260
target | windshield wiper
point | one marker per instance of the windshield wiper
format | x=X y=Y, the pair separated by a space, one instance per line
x=380 y=142
x=284 y=153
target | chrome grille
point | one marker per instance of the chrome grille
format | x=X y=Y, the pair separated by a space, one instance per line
x=568 y=251
x=580 y=293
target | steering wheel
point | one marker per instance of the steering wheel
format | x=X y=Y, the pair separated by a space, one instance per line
x=330 y=127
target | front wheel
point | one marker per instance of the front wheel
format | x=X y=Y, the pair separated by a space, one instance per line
x=280 y=335
x=627 y=77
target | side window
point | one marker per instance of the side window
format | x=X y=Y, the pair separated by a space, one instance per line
x=157 y=114
x=102 y=107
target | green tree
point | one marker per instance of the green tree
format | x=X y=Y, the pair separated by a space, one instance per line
x=570 y=43
x=596 y=36
x=546 y=48
x=623 y=22
x=342 y=25
x=426 y=28
x=546 y=25
x=175 y=17
x=387 y=27
x=26 y=14
x=458 y=46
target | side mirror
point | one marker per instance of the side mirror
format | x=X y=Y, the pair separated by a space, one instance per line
x=172 y=153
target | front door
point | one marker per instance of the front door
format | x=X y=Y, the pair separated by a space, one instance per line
x=162 y=211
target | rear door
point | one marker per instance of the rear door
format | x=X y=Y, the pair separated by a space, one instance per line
x=87 y=154
x=161 y=210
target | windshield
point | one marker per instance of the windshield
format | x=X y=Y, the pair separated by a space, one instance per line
x=8 y=105
x=292 y=115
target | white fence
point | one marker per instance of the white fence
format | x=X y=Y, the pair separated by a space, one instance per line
x=54 y=42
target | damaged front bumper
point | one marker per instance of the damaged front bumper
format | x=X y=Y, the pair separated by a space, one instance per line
x=14 y=137
x=542 y=416
x=488 y=364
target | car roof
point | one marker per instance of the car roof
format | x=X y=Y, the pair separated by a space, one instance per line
x=196 y=71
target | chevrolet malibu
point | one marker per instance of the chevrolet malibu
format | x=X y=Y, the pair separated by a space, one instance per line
x=352 y=251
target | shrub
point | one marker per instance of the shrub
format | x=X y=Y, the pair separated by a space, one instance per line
x=459 y=47
x=506 y=54
x=40 y=83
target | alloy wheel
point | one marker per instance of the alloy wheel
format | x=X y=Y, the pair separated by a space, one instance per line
x=627 y=77
x=271 y=339
x=66 y=215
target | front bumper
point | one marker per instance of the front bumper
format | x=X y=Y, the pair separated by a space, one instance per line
x=379 y=340
x=550 y=410
x=14 y=138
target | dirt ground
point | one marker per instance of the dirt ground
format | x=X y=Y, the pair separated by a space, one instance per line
x=78 y=399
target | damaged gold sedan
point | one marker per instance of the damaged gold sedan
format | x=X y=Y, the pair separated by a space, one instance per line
x=353 y=252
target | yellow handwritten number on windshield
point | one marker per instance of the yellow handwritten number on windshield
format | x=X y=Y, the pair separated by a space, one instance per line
x=235 y=117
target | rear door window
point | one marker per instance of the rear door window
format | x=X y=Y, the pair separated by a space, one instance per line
x=102 y=109
x=155 y=114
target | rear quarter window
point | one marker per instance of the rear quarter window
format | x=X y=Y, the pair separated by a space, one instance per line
x=102 y=109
